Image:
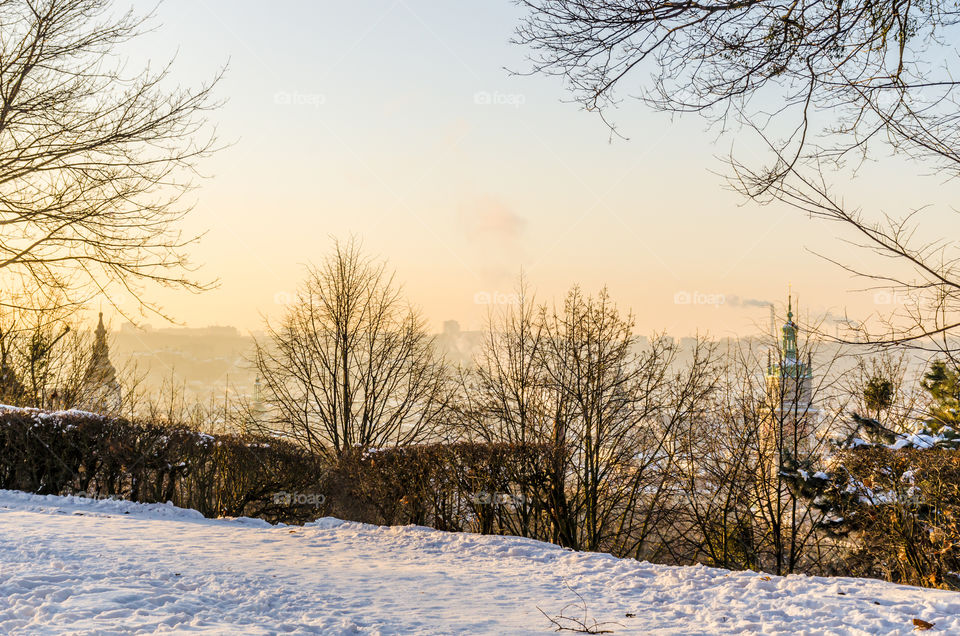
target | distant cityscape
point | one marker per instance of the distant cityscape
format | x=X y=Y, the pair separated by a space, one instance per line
x=204 y=362
x=214 y=361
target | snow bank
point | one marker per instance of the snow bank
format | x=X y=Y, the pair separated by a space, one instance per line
x=75 y=565
x=38 y=414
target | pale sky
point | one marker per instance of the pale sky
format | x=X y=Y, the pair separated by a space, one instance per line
x=396 y=122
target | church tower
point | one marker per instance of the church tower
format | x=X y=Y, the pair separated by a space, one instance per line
x=792 y=416
x=101 y=390
x=257 y=411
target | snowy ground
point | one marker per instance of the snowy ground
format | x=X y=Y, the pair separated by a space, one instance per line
x=78 y=566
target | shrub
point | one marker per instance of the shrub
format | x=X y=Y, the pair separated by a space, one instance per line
x=74 y=452
x=895 y=507
x=477 y=487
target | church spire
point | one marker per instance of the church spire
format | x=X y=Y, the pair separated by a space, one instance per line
x=100 y=382
x=789 y=333
x=100 y=356
x=101 y=331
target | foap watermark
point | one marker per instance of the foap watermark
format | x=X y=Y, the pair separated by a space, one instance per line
x=498 y=499
x=283 y=298
x=890 y=298
x=299 y=499
x=285 y=98
x=496 y=98
x=96 y=496
x=698 y=298
x=495 y=298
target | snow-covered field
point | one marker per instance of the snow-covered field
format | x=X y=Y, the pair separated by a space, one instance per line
x=71 y=565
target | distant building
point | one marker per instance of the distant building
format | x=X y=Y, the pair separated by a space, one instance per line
x=792 y=416
x=101 y=390
x=257 y=412
x=451 y=328
x=458 y=346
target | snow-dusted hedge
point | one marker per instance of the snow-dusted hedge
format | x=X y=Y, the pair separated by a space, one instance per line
x=478 y=487
x=75 y=452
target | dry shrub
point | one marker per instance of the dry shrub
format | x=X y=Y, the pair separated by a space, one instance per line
x=901 y=510
x=73 y=452
x=458 y=487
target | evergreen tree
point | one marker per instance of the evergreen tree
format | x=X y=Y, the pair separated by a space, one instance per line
x=942 y=382
x=11 y=389
x=878 y=395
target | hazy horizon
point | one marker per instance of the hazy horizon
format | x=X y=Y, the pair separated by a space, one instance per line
x=391 y=123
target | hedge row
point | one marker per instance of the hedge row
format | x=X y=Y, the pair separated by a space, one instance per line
x=477 y=487
x=474 y=487
x=74 y=452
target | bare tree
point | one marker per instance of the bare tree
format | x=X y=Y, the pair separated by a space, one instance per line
x=95 y=157
x=506 y=383
x=42 y=355
x=573 y=380
x=686 y=405
x=823 y=84
x=874 y=66
x=506 y=399
x=884 y=387
x=350 y=365
x=50 y=360
x=744 y=463
x=610 y=394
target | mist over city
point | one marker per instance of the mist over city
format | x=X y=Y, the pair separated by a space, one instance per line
x=514 y=317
